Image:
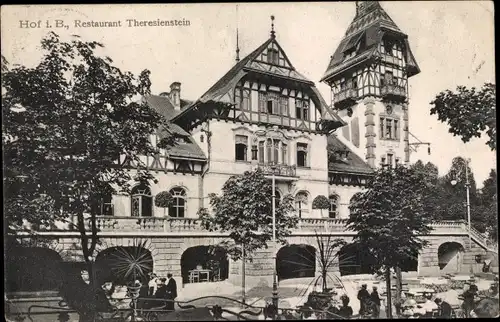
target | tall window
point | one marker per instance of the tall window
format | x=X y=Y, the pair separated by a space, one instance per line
x=389 y=160
x=389 y=78
x=242 y=98
x=332 y=213
x=254 y=152
x=302 y=109
x=389 y=128
x=106 y=205
x=262 y=102
x=301 y=203
x=272 y=56
x=302 y=154
x=273 y=104
x=261 y=152
x=284 y=153
x=284 y=105
x=142 y=201
x=178 y=207
x=241 y=147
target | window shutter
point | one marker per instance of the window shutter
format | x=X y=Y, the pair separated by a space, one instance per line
x=262 y=102
x=246 y=100
x=237 y=97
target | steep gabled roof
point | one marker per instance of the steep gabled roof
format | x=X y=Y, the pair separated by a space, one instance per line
x=222 y=90
x=368 y=28
x=352 y=164
x=188 y=147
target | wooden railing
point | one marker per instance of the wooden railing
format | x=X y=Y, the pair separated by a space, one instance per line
x=349 y=93
x=394 y=90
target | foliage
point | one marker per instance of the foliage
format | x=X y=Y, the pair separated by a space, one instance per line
x=66 y=122
x=485 y=215
x=321 y=202
x=328 y=254
x=389 y=216
x=133 y=262
x=164 y=199
x=468 y=112
x=244 y=210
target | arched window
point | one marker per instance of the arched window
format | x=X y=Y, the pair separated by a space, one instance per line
x=178 y=207
x=301 y=203
x=142 y=201
x=333 y=211
x=241 y=147
x=105 y=204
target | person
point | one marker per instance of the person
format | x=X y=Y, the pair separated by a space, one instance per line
x=444 y=308
x=171 y=292
x=363 y=296
x=152 y=284
x=375 y=298
x=469 y=297
x=345 y=310
x=161 y=289
x=429 y=305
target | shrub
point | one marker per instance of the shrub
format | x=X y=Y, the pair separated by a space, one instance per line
x=164 y=199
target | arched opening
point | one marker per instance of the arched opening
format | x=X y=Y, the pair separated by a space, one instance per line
x=32 y=269
x=450 y=256
x=302 y=203
x=204 y=264
x=142 y=201
x=353 y=260
x=178 y=207
x=296 y=261
x=110 y=264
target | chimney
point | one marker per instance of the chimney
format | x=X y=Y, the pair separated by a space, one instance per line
x=175 y=95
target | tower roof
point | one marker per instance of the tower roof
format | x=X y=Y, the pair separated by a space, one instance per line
x=368 y=27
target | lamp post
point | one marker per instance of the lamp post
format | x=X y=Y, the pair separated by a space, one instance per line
x=275 y=282
x=467 y=186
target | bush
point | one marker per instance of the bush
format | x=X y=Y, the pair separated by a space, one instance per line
x=321 y=202
x=164 y=199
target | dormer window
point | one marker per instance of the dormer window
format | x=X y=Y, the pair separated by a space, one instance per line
x=388 y=47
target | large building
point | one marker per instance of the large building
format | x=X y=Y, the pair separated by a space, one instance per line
x=263 y=113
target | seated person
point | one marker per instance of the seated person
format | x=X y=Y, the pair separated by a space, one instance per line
x=444 y=310
x=429 y=305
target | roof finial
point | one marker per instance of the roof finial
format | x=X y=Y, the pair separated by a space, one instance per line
x=272 y=27
x=237 y=38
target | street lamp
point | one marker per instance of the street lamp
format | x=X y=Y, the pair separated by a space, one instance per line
x=467 y=185
x=275 y=281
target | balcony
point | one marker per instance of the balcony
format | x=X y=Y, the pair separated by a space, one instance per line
x=279 y=170
x=393 y=91
x=345 y=97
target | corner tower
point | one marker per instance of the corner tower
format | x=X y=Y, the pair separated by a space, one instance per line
x=368 y=76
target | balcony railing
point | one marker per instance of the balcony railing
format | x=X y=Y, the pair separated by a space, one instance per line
x=281 y=170
x=346 y=94
x=393 y=90
x=114 y=224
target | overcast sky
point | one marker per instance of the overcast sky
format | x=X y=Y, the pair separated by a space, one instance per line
x=453 y=42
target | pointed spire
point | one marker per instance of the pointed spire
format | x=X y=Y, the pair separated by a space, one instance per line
x=237 y=47
x=237 y=38
x=273 y=34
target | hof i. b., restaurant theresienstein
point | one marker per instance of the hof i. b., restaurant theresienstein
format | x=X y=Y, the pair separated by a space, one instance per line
x=264 y=112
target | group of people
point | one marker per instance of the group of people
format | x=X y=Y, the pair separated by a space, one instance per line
x=159 y=288
x=369 y=303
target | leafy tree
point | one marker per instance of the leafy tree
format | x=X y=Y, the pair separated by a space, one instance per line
x=164 y=200
x=321 y=202
x=468 y=112
x=244 y=210
x=486 y=213
x=66 y=122
x=389 y=217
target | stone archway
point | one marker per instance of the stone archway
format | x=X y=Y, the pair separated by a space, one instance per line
x=32 y=269
x=296 y=261
x=450 y=257
x=213 y=259
x=354 y=261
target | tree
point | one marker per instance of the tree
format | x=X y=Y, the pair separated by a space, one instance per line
x=469 y=112
x=66 y=123
x=486 y=213
x=244 y=210
x=321 y=202
x=389 y=217
x=164 y=200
